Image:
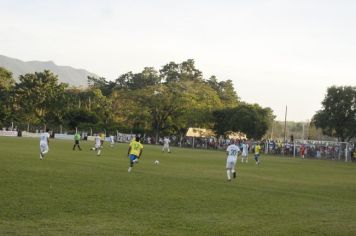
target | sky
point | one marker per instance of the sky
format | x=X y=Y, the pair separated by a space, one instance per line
x=278 y=53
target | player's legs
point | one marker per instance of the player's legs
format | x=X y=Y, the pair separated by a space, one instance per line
x=257 y=159
x=97 y=149
x=228 y=173
x=245 y=156
x=233 y=168
x=133 y=159
x=43 y=150
x=76 y=143
x=229 y=168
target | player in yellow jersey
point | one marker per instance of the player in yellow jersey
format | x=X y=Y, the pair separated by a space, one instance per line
x=257 y=153
x=134 y=152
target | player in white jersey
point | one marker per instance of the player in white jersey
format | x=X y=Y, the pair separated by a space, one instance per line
x=112 y=141
x=232 y=153
x=244 y=154
x=166 y=142
x=98 y=144
x=44 y=144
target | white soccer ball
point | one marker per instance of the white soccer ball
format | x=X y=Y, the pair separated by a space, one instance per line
x=156 y=162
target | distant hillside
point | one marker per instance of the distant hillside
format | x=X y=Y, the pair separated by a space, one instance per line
x=66 y=74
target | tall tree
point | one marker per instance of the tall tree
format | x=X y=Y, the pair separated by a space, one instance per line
x=161 y=102
x=186 y=71
x=337 y=118
x=6 y=96
x=106 y=87
x=250 y=119
x=38 y=95
x=225 y=90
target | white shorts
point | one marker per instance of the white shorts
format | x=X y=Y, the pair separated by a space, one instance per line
x=97 y=146
x=244 y=154
x=43 y=147
x=231 y=162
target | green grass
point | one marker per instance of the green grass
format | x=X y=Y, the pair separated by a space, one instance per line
x=78 y=193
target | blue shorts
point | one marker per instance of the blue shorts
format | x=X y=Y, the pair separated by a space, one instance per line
x=132 y=157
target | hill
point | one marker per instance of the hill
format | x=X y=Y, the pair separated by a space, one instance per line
x=66 y=74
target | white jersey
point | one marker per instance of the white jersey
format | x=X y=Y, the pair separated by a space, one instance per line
x=166 y=141
x=233 y=150
x=97 y=141
x=43 y=138
x=244 y=149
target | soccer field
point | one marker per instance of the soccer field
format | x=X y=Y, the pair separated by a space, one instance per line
x=78 y=193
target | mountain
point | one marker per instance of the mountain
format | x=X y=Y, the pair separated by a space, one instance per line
x=66 y=74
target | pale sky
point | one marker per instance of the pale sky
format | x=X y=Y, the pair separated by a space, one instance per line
x=277 y=52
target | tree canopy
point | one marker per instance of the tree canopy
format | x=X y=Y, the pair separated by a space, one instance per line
x=251 y=119
x=157 y=102
x=337 y=118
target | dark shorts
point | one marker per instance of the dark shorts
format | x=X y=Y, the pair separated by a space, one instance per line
x=76 y=142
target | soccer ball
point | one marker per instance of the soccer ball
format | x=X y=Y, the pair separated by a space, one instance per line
x=156 y=162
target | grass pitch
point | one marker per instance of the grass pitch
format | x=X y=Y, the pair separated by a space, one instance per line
x=78 y=193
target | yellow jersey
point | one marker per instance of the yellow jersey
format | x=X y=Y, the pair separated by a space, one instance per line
x=257 y=149
x=135 y=148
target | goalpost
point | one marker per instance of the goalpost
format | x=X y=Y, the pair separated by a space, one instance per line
x=323 y=149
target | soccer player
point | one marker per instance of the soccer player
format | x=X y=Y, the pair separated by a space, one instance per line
x=166 y=142
x=257 y=153
x=232 y=152
x=76 y=141
x=134 y=152
x=112 y=140
x=44 y=143
x=302 y=150
x=97 y=140
x=244 y=155
x=102 y=138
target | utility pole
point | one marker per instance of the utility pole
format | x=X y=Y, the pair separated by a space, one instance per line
x=285 y=125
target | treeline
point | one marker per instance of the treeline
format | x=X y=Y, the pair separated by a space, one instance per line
x=154 y=102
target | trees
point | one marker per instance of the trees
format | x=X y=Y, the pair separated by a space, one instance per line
x=337 y=118
x=225 y=90
x=168 y=101
x=250 y=119
x=6 y=96
x=39 y=97
x=80 y=118
x=185 y=71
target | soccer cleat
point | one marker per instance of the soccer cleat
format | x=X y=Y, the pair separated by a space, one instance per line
x=229 y=180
